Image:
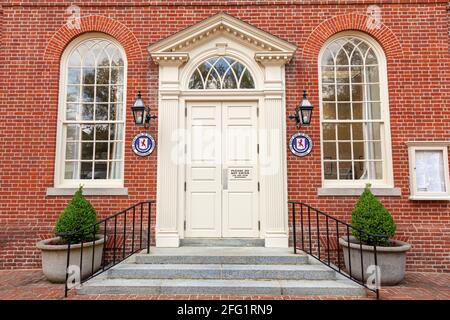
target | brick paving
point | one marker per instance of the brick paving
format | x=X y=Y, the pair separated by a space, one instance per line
x=32 y=285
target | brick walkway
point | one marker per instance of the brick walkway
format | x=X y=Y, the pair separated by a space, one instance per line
x=32 y=285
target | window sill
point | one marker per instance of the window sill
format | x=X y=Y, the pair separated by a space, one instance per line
x=349 y=192
x=88 y=191
x=430 y=198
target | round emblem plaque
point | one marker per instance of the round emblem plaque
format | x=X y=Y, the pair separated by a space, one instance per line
x=143 y=144
x=300 y=144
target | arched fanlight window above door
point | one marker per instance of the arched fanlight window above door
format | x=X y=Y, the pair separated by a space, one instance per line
x=221 y=73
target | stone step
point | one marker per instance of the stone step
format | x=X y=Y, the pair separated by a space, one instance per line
x=221 y=255
x=102 y=285
x=221 y=271
x=220 y=242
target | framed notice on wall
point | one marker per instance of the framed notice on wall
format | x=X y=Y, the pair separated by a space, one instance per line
x=429 y=173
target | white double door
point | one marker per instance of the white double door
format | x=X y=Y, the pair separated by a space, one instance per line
x=222 y=170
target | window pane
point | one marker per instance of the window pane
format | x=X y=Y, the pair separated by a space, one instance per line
x=117 y=76
x=103 y=76
x=196 y=81
x=329 y=150
x=115 y=112
x=360 y=170
x=101 y=112
x=88 y=94
x=342 y=75
x=357 y=75
x=115 y=170
x=329 y=111
x=357 y=111
x=430 y=175
x=115 y=151
x=229 y=81
x=329 y=131
x=72 y=111
x=343 y=92
x=345 y=171
x=357 y=130
x=74 y=76
x=101 y=151
x=373 y=111
x=330 y=170
x=72 y=132
x=87 y=149
x=328 y=93
x=101 y=132
x=73 y=93
x=247 y=81
x=102 y=94
x=358 y=151
x=373 y=131
x=71 y=170
x=86 y=171
x=343 y=131
x=100 y=170
x=345 y=150
x=357 y=92
x=327 y=75
x=87 y=112
x=72 y=151
x=372 y=74
x=344 y=111
x=116 y=94
x=87 y=132
x=373 y=92
x=89 y=76
x=374 y=149
x=116 y=132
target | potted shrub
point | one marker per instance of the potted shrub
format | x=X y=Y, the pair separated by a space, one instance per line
x=79 y=215
x=372 y=217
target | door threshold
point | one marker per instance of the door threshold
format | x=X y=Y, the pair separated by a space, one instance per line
x=222 y=242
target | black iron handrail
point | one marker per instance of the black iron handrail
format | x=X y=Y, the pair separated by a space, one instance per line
x=313 y=248
x=136 y=214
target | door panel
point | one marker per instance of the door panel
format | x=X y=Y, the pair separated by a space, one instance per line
x=221 y=173
x=240 y=195
x=203 y=171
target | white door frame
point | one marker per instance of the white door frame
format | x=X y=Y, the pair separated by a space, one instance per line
x=265 y=56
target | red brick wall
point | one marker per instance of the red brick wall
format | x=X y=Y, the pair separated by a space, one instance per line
x=414 y=36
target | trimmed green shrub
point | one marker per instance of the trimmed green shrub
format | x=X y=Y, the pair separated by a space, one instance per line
x=79 y=215
x=371 y=216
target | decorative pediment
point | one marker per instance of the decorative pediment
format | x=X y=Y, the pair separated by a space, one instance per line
x=177 y=46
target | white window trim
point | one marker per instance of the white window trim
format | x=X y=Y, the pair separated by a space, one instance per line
x=388 y=181
x=59 y=181
x=428 y=146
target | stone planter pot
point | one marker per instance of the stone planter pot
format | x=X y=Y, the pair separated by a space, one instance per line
x=54 y=258
x=391 y=260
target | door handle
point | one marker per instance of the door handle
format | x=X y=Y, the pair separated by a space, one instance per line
x=225 y=179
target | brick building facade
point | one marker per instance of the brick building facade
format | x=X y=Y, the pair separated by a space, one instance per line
x=414 y=36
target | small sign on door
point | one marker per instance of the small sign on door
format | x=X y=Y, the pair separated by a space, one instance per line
x=240 y=174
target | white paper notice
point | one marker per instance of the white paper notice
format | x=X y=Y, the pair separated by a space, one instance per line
x=430 y=171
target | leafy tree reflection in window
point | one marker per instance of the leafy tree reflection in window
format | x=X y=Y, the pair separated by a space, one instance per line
x=221 y=73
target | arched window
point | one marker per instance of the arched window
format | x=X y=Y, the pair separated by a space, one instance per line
x=221 y=73
x=91 y=135
x=354 y=106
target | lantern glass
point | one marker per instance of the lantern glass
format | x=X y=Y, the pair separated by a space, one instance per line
x=139 y=115
x=305 y=116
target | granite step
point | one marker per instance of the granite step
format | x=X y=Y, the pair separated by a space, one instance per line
x=221 y=255
x=102 y=285
x=221 y=271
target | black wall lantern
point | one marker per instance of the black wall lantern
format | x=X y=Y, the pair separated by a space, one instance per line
x=303 y=112
x=141 y=113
